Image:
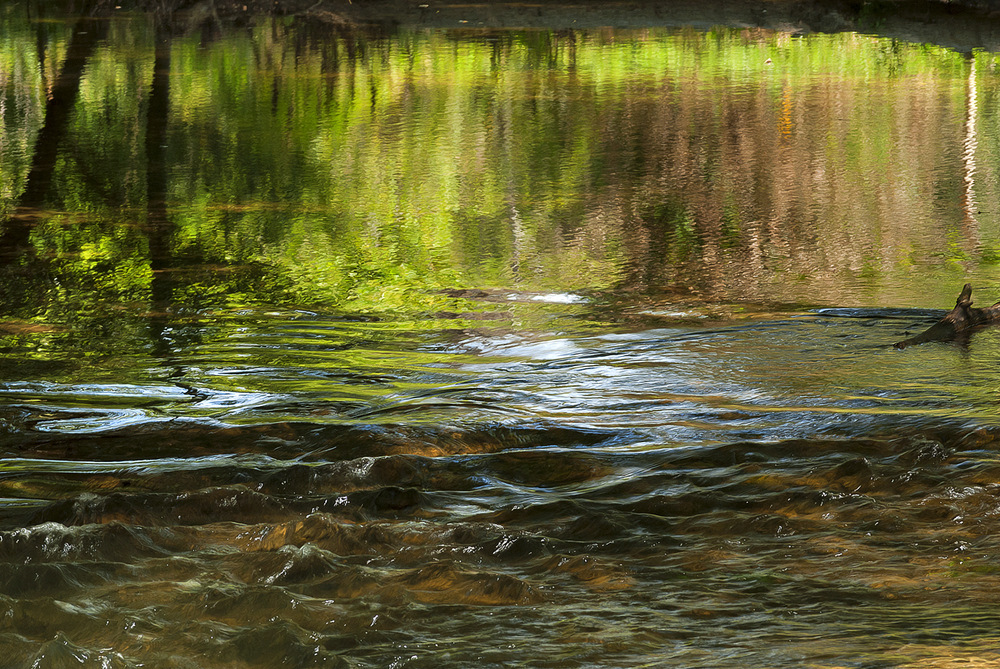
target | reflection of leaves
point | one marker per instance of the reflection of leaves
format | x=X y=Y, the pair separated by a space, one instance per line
x=731 y=233
x=674 y=226
x=366 y=175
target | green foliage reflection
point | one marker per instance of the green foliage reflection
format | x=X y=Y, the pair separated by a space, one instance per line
x=366 y=174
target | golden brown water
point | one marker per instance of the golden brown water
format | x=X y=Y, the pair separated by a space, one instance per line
x=455 y=349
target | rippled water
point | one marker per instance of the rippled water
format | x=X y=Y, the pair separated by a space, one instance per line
x=779 y=490
x=461 y=349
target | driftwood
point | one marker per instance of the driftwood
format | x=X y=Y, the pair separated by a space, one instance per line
x=958 y=323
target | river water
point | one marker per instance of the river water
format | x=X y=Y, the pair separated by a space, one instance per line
x=452 y=348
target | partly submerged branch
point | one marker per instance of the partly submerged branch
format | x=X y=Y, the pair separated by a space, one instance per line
x=958 y=323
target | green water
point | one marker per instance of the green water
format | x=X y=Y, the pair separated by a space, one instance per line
x=324 y=346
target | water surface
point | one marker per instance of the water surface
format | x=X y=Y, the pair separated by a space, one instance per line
x=327 y=347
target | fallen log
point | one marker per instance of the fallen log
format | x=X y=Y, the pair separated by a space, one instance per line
x=958 y=323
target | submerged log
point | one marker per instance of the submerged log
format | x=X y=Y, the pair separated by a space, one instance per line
x=958 y=323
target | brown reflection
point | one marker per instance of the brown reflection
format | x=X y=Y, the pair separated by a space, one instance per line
x=747 y=188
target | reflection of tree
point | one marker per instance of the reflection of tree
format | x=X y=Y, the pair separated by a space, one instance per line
x=794 y=174
x=25 y=278
x=362 y=172
x=969 y=146
x=574 y=161
x=158 y=226
x=62 y=97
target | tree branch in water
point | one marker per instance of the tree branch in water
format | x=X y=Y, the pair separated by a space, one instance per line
x=958 y=323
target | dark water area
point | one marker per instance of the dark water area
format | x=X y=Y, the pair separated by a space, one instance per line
x=323 y=346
